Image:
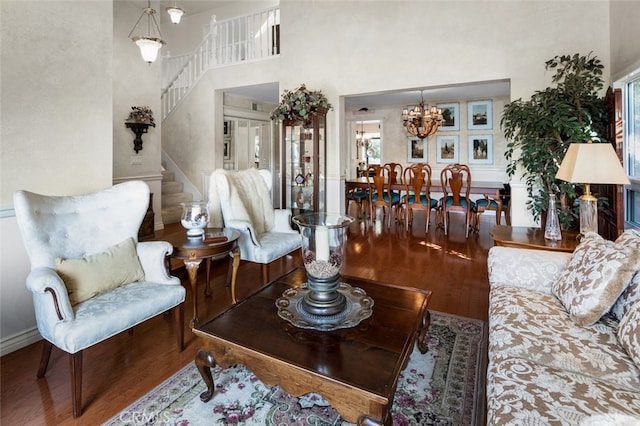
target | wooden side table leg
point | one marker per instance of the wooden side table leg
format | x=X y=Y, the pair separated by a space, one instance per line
x=234 y=272
x=422 y=332
x=205 y=362
x=207 y=288
x=192 y=267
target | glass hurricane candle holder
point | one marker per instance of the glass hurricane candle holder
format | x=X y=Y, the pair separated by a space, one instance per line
x=323 y=240
x=195 y=218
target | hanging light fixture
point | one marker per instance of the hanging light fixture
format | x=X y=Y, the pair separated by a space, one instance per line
x=421 y=122
x=151 y=43
x=175 y=13
x=362 y=142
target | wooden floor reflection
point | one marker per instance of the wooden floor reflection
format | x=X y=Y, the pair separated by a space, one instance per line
x=125 y=367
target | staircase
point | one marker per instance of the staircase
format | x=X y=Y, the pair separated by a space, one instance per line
x=172 y=196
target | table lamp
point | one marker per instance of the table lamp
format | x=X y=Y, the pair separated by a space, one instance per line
x=589 y=163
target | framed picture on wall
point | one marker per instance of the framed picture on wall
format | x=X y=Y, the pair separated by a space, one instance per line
x=481 y=149
x=417 y=150
x=447 y=148
x=480 y=115
x=450 y=117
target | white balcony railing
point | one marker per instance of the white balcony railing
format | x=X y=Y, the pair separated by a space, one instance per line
x=241 y=39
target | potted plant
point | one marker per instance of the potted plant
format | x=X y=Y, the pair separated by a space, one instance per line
x=540 y=130
x=297 y=106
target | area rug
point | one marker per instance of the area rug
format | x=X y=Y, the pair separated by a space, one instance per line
x=445 y=386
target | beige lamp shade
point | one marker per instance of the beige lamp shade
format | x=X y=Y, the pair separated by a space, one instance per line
x=592 y=163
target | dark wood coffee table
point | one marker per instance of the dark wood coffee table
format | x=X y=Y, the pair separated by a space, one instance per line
x=355 y=369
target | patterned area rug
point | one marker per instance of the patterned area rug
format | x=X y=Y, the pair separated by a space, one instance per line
x=445 y=386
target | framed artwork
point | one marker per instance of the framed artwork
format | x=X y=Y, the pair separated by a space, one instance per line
x=447 y=149
x=226 y=149
x=450 y=117
x=417 y=150
x=227 y=128
x=481 y=149
x=480 y=115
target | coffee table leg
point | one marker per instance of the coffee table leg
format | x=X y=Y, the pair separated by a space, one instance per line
x=205 y=362
x=234 y=272
x=192 y=267
x=422 y=332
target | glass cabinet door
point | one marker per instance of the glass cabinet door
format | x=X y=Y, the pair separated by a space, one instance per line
x=303 y=162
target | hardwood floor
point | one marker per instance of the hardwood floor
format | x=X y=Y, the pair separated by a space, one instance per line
x=124 y=368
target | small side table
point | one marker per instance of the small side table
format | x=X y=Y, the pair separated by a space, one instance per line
x=193 y=250
x=532 y=238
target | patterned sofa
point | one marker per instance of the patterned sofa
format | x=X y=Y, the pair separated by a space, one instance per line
x=564 y=334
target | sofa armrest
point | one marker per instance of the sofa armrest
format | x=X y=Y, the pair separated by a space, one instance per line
x=282 y=221
x=526 y=268
x=50 y=297
x=152 y=256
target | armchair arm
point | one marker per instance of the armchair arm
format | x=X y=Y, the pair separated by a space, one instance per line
x=246 y=230
x=282 y=221
x=50 y=297
x=152 y=258
x=526 y=268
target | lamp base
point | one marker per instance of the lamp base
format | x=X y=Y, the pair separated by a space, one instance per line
x=588 y=214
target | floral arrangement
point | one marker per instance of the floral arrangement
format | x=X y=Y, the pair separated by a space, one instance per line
x=299 y=105
x=141 y=114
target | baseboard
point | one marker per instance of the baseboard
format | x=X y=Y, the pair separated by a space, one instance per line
x=19 y=341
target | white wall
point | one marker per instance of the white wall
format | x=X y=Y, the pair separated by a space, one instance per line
x=56 y=135
x=324 y=45
x=625 y=33
x=135 y=83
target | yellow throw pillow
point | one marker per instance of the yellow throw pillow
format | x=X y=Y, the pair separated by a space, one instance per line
x=91 y=275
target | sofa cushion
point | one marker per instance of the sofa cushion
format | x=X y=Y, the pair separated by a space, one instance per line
x=597 y=274
x=629 y=238
x=95 y=274
x=523 y=392
x=535 y=326
x=629 y=332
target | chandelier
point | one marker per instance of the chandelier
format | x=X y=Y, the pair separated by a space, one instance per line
x=175 y=13
x=152 y=42
x=422 y=122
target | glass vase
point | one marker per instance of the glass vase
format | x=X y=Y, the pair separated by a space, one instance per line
x=195 y=218
x=323 y=240
x=552 y=227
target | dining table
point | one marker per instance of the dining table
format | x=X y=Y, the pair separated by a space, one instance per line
x=478 y=188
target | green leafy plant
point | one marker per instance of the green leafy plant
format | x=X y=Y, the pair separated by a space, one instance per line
x=141 y=114
x=540 y=130
x=299 y=105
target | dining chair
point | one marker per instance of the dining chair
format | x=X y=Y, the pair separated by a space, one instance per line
x=360 y=196
x=498 y=202
x=456 y=186
x=380 y=194
x=417 y=184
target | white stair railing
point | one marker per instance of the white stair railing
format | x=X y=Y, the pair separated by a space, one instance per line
x=245 y=38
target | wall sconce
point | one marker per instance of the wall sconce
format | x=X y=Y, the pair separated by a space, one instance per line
x=139 y=129
x=139 y=120
x=151 y=43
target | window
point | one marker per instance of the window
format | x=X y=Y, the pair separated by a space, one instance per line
x=631 y=110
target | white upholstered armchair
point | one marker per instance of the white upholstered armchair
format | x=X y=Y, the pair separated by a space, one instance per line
x=90 y=278
x=241 y=200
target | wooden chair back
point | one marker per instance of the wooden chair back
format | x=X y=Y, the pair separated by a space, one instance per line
x=395 y=172
x=456 y=182
x=456 y=186
x=417 y=181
